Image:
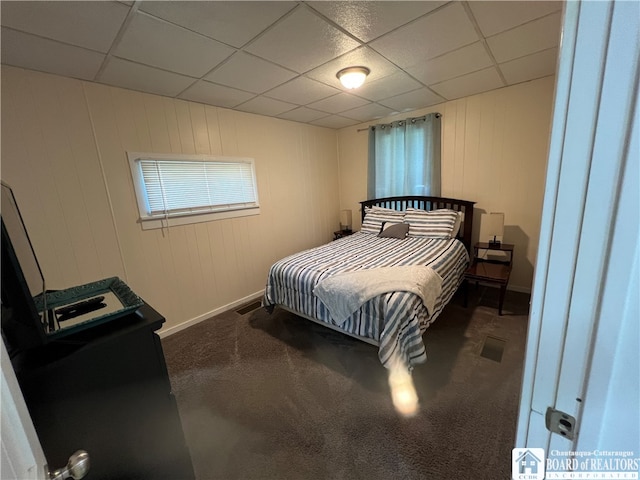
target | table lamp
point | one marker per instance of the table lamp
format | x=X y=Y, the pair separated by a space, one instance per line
x=496 y=228
x=345 y=220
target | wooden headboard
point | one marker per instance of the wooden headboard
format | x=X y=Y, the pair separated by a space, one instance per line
x=429 y=203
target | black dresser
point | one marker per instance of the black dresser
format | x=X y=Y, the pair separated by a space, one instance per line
x=106 y=390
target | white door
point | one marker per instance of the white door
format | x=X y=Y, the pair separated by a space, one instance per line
x=582 y=347
x=22 y=455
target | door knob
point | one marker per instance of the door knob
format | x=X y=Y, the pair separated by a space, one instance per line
x=76 y=468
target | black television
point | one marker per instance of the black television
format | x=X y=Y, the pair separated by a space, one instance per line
x=32 y=314
x=22 y=279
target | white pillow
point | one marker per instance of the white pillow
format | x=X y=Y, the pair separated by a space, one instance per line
x=383 y=209
x=373 y=219
x=433 y=224
x=456 y=226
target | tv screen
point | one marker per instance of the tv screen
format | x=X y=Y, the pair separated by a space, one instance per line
x=22 y=279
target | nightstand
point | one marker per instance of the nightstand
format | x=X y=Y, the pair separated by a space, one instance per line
x=495 y=271
x=342 y=233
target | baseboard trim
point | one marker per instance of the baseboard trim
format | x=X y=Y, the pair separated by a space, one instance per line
x=519 y=289
x=165 y=332
x=513 y=288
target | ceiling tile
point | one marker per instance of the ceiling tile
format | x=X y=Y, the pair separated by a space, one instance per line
x=369 y=20
x=221 y=96
x=386 y=87
x=123 y=73
x=302 y=91
x=265 y=106
x=368 y=112
x=233 y=23
x=24 y=50
x=408 y=101
x=302 y=41
x=338 y=103
x=92 y=25
x=250 y=73
x=470 y=84
x=532 y=37
x=226 y=53
x=534 y=66
x=442 y=31
x=302 y=114
x=453 y=64
x=360 y=57
x=334 y=121
x=164 y=45
x=495 y=17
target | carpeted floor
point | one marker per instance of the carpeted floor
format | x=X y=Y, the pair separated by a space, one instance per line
x=278 y=397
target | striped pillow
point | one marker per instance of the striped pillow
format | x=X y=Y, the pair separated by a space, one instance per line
x=434 y=224
x=373 y=219
x=375 y=208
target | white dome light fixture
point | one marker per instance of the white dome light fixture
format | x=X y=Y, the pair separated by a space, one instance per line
x=353 y=77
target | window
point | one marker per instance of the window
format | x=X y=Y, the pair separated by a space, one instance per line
x=181 y=189
x=404 y=158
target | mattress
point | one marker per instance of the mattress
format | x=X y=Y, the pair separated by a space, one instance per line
x=395 y=320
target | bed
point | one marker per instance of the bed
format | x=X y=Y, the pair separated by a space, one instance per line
x=373 y=259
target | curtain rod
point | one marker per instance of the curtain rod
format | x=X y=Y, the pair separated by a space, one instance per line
x=423 y=117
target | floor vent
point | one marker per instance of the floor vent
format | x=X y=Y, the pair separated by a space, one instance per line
x=248 y=308
x=493 y=348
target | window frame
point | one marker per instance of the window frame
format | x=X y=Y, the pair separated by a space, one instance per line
x=149 y=221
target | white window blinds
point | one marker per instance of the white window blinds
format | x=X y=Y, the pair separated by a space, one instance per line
x=189 y=185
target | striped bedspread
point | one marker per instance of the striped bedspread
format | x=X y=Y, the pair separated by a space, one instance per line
x=395 y=320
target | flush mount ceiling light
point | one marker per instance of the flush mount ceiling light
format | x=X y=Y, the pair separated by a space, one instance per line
x=352 y=77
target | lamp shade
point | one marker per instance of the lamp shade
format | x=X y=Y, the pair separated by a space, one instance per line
x=496 y=224
x=345 y=220
x=352 y=77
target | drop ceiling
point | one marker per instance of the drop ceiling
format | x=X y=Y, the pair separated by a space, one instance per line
x=280 y=59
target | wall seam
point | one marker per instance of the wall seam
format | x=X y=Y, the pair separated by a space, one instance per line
x=106 y=185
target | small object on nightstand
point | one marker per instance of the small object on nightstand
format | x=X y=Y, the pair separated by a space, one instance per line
x=341 y=233
x=493 y=270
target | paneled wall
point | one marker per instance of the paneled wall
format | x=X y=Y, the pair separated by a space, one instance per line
x=494 y=151
x=64 y=145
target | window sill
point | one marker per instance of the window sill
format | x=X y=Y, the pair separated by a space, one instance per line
x=153 y=223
